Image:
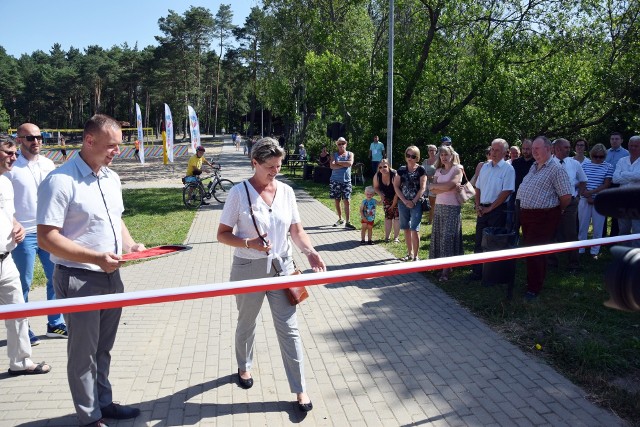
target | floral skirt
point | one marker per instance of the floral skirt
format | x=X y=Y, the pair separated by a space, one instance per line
x=446 y=232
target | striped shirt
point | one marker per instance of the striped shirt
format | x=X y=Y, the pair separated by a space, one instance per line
x=542 y=188
x=597 y=173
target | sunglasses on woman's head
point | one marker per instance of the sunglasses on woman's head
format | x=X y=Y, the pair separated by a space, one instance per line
x=411 y=156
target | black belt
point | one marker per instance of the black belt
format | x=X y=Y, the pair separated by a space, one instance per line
x=4 y=255
x=486 y=205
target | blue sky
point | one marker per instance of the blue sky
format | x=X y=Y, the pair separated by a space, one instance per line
x=30 y=25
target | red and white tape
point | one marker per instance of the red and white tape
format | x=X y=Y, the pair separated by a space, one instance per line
x=155 y=296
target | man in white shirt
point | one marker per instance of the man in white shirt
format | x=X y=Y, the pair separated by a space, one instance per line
x=568 y=227
x=496 y=181
x=627 y=174
x=27 y=174
x=11 y=233
x=80 y=224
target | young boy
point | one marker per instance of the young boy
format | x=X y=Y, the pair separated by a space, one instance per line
x=368 y=214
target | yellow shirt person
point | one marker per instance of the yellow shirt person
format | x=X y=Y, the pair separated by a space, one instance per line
x=194 y=167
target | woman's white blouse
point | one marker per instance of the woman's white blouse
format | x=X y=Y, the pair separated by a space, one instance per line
x=275 y=220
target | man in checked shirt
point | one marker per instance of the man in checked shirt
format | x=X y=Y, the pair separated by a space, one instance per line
x=544 y=194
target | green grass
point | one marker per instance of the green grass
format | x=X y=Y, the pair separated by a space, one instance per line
x=156 y=216
x=596 y=347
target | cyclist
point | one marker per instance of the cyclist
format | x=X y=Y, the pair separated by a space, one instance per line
x=194 y=166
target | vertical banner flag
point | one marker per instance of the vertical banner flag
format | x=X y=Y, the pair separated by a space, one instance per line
x=168 y=125
x=140 y=134
x=194 y=126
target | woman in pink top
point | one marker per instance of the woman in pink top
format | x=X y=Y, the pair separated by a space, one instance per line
x=446 y=233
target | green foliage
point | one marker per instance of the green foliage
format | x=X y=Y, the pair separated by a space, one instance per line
x=4 y=118
x=472 y=70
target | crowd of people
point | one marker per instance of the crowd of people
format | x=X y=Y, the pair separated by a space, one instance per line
x=550 y=192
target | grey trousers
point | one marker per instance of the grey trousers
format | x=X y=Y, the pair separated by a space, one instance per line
x=18 y=344
x=91 y=338
x=284 y=320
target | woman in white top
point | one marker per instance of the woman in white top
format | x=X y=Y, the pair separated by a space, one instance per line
x=265 y=254
x=446 y=233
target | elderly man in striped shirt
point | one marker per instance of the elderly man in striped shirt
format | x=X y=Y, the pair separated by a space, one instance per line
x=544 y=194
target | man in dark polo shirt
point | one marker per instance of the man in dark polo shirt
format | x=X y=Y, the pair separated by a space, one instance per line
x=544 y=194
x=522 y=164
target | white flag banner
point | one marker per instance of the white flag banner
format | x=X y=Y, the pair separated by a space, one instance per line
x=168 y=127
x=140 y=134
x=194 y=126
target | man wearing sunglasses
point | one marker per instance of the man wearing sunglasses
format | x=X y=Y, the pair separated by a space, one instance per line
x=27 y=174
x=12 y=233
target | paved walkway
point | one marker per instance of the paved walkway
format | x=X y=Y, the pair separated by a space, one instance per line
x=385 y=352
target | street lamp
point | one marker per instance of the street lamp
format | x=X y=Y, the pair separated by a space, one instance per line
x=390 y=87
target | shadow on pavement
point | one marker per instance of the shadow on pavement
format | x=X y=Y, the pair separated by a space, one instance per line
x=193 y=413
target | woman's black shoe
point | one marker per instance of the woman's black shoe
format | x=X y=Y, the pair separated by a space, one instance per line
x=245 y=383
x=305 y=407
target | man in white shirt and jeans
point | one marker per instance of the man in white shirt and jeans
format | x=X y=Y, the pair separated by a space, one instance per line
x=27 y=174
x=11 y=233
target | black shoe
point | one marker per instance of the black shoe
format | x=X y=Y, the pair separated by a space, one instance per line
x=205 y=203
x=119 y=412
x=305 y=407
x=244 y=383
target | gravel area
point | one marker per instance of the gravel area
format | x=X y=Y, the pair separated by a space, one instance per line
x=153 y=173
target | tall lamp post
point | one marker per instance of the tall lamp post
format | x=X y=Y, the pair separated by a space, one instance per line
x=390 y=87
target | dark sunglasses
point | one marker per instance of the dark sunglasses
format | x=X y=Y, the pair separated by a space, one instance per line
x=10 y=153
x=597 y=157
x=411 y=156
x=383 y=167
x=342 y=143
x=32 y=138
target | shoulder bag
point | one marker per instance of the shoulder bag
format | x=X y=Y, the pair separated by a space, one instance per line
x=296 y=294
x=466 y=191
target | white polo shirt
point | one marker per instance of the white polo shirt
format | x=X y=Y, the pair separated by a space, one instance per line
x=627 y=173
x=573 y=168
x=493 y=180
x=86 y=207
x=6 y=215
x=26 y=176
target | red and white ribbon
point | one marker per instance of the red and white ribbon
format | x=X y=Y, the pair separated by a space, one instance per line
x=154 y=296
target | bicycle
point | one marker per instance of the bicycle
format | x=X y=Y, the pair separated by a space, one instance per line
x=194 y=193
